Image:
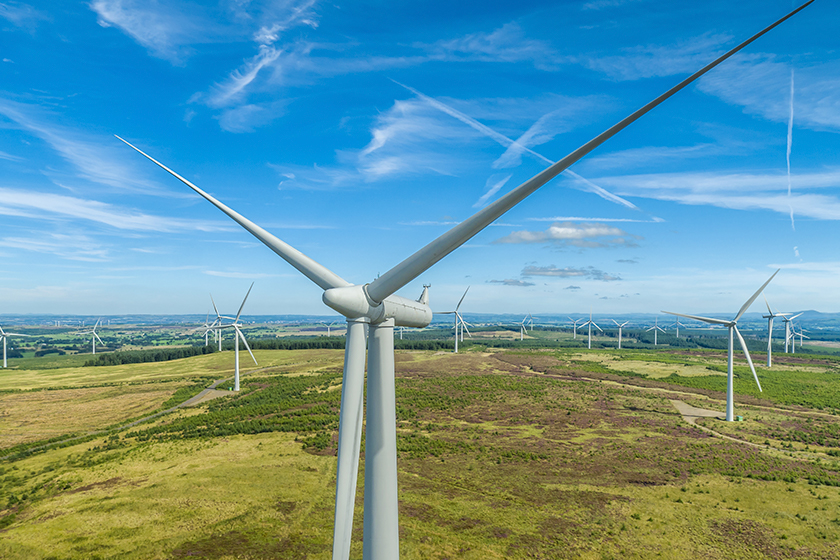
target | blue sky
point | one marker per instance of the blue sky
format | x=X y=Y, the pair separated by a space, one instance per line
x=359 y=132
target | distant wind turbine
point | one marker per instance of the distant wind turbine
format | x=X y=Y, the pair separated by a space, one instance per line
x=733 y=329
x=770 y=316
x=459 y=321
x=677 y=325
x=591 y=323
x=377 y=305
x=575 y=323
x=236 y=326
x=655 y=328
x=620 y=326
x=93 y=337
x=4 y=335
x=788 y=321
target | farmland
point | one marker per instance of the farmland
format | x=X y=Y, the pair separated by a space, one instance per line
x=555 y=453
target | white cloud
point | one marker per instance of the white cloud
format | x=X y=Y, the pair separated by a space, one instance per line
x=506 y=44
x=158 y=26
x=22 y=15
x=95 y=160
x=656 y=61
x=570 y=234
x=588 y=272
x=46 y=206
x=232 y=90
x=739 y=191
x=73 y=247
x=760 y=85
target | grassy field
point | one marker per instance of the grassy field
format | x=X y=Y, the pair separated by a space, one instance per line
x=544 y=454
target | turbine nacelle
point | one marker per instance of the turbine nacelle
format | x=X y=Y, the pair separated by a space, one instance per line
x=354 y=303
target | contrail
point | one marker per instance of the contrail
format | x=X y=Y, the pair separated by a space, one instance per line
x=507 y=142
x=789 y=144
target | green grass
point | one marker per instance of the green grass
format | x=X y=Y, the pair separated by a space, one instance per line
x=501 y=455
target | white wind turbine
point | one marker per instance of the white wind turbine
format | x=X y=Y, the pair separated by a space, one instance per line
x=4 y=335
x=732 y=325
x=677 y=324
x=788 y=321
x=236 y=326
x=590 y=323
x=376 y=305
x=801 y=335
x=93 y=336
x=770 y=316
x=620 y=326
x=575 y=323
x=655 y=328
x=459 y=321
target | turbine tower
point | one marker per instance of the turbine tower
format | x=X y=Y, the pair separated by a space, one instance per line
x=733 y=329
x=620 y=326
x=93 y=337
x=575 y=323
x=4 y=335
x=788 y=321
x=377 y=305
x=459 y=321
x=770 y=316
x=655 y=328
x=590 y=323
x=237 y=335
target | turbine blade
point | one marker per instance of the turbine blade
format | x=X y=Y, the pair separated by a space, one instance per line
x=597 y=327
x=616 y=322
x=218 y=317
x=245 y=342
x=749 y=359
x=770 y=311
x=698 y=318
x=243 y=303
x=97 y=337
x=313 y=270
x=755 y=295
x=462 y=299
x=419 y=262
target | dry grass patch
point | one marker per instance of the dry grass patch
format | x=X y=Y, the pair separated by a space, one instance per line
x=34 y=416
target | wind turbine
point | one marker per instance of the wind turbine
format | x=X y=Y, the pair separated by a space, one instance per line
x=733 y=328
x=4 y=335
x=236 y=326
x=788 y=321
x=376 y=305
x=94 y=337
x=620 y=326
x=770 y=316
x=801 y=336
x=590 y=323
x=459 y=321
x=575 y=323
x=677 y=324
x=655 y=328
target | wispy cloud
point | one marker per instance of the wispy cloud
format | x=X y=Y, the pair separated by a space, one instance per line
x=536 y=134
x=47 y=206
x=238 y=275
x=656 y=61
x=570 y=234
x=21 y=15
x=653 y=220
x=95 y=159
x=505 y=44
x=512 y=282
x=754 y=82
x=739 y=191
x=607 y=4
x=72 y=247
x=587 y=272
x=161 y=27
